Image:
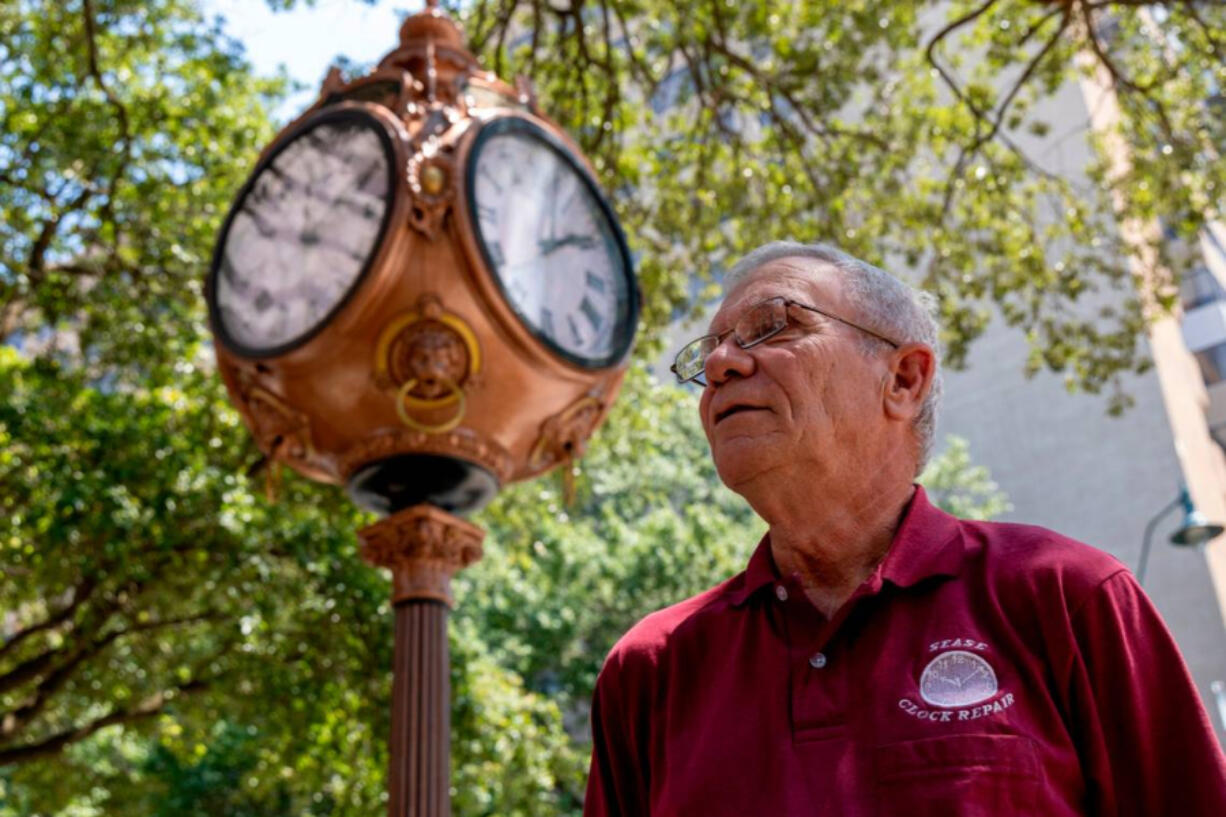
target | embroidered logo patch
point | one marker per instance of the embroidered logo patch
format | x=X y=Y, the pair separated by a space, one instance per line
x=958 y=678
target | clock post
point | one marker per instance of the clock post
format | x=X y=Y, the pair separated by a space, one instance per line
x=422 y=294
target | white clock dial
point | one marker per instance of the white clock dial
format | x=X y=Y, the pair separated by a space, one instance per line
x=552 y=245
x=302 y=234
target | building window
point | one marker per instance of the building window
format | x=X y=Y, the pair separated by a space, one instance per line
x=1199 y=287
x=1212 y=363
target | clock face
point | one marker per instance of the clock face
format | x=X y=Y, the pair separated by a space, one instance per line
x=302 y=233
x=552 y=243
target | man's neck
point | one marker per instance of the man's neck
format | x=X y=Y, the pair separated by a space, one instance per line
x=834 y=540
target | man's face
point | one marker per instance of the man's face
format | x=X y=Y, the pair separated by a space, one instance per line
x=806 y=401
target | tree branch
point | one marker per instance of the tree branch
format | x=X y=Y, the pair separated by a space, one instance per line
x=503 y=23
x=930 y=56
x=15 y=720
x=121 y=112
x=644 y=72
x=36 y=261
x=1217 y=49
x=967 y=152
x=56 y=743
x=1119 y=79
x=80 y=593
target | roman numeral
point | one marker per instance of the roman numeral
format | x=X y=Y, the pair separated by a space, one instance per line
x=574 y=328
x=593 y=316
x=595 y=282
x=487 y=213
x=367 y=174
x=496 y=256
x=570 y=198
x=547 y=323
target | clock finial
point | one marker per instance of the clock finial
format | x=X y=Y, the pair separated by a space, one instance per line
x=431 y=23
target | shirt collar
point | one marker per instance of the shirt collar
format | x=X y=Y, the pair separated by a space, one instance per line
x=760 y=572
x=928 y=543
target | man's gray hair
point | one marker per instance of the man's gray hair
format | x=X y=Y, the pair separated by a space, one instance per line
x=882 y=303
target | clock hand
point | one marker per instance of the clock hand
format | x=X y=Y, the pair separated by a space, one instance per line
x=261 y=225
x=553 y=206
x=548 y=246
x=314 y=238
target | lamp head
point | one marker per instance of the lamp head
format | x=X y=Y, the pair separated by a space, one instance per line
x=1196 y=528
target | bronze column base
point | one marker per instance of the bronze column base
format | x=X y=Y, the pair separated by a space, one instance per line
x=424 y=547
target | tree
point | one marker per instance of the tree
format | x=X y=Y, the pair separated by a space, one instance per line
x=908 y=133
x=958 y=486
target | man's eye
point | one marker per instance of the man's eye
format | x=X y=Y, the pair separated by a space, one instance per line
x=784 y=334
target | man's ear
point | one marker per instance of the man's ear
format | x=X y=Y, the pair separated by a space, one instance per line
x=912 y=367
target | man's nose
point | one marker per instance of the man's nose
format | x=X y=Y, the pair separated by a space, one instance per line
x=727 y=359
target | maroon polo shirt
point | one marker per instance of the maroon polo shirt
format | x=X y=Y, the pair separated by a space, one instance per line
x=982 y=669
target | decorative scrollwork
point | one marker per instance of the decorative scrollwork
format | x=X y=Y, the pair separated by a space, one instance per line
x=564 y=435
x=431 y=178
x=428 y=356
x=463 y=443
x=434 y=357
x=424 y=547
x=282 y=432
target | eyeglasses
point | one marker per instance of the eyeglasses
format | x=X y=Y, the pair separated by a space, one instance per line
x=759 y=323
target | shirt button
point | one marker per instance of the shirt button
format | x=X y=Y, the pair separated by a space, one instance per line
x=781 y=592
x=818 y=660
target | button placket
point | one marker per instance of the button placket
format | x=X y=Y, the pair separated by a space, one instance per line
x=819 y=687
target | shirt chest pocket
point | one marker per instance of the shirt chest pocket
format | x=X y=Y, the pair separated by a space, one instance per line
x=957 y=776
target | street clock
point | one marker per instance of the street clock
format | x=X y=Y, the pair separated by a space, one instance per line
x=422 y=293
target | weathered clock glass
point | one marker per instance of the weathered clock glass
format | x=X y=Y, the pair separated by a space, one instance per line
x=302 y=233
x=552 y=243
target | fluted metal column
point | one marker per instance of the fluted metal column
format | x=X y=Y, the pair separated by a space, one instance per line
x=423 y=546
x=419 y=779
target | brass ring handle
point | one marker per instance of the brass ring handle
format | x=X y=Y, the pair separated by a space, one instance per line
x=447 y=425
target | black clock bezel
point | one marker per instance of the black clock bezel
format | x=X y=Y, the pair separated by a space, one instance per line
x=325 y=116
x=624 y=334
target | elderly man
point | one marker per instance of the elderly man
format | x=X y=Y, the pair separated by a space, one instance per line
x=878 y=656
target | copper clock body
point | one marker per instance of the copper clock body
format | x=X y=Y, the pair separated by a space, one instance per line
x=424 y=382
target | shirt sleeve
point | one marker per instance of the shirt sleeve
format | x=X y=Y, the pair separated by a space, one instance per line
x=617 y=784
x=1146 y=744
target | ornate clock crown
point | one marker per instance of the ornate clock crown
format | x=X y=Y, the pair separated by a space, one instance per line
x=431 y=48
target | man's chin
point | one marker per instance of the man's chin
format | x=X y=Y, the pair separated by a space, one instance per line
x=744 y=458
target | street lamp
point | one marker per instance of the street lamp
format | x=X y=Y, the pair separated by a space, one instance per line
x=1196 y=529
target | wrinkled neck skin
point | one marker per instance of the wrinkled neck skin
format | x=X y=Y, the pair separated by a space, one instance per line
x=831 y=524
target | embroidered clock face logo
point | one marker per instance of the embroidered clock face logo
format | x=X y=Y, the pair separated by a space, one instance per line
x=958 y=678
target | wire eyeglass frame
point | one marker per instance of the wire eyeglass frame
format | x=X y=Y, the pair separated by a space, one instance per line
x=774 y=309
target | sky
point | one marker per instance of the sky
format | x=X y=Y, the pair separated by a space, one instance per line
x=306 y=40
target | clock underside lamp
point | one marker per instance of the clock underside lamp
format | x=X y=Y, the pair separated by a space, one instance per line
x=422 y=294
